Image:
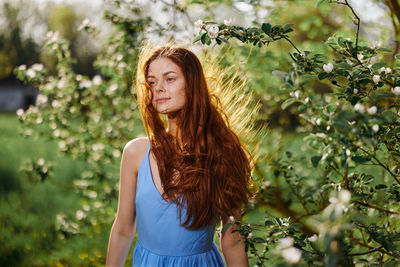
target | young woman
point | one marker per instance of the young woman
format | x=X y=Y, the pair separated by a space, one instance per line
x=190 y=172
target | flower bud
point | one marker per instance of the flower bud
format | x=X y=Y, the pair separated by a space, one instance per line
x=372 y=110
x=376 y=78
x=396 y=90
x=328 y=67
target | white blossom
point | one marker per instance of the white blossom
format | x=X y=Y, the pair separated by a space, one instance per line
x=328 y=67
x=372 y=110
x=85 y=83
x=119 y=57
x=55 y=103
x=228 y=22
x=20 y=112
x=351 y=122
x=97 y=147
x=22 y=67
x=380 y=70
x=41 y=162
x=231 y=218
x=313 y=238
x=199 y=23
x=286 y=242
x=376 y=78
x=212 y=30
x=80 y=214
x=396 y=90
x=355 y=91
x=376 y=44
x=41 y=99
x=359 y=107
x=266 y=183
x=121 y=65
x=61 y=84
x=375 y=128
x=37 y=67
x=360 y=57
x=388 y=70
x=97 y=80
x=31 y=73
x=348 y=152
x=291 y=255
x=62 y=145
x=344 y=196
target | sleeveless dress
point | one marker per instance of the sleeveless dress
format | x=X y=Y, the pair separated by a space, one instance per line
x=161 y=240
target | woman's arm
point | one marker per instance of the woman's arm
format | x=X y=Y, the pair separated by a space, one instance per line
x=123 y=229
x=233 y=251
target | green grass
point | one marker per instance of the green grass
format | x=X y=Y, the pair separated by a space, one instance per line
x=27 y=209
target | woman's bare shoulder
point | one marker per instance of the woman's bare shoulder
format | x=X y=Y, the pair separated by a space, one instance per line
x=136 y=149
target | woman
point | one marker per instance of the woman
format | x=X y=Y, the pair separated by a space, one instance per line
x=191 y=171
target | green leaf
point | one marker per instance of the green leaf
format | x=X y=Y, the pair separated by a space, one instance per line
x=389 y=116
x=380 y=186
x=269 y=222
x=280 y=74
x=322 y=75
x=315 y=160
x=203 y=38
x=378 y=65
x=397 y=56
x=361 y=159
x=288 y=102
x=197 y=38
x=287 y=26
x=387 y=50
x=266 y=27
x=226 y=226
x=319 y=3
x=258 y=240
x=344 y=66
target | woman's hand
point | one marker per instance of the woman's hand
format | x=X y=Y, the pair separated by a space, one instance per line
x=234 y=251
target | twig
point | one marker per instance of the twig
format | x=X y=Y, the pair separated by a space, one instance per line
x=369 y=205
x=366 y=252
x=380 y=163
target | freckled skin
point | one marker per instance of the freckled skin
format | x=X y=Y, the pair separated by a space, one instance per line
x=167 y=83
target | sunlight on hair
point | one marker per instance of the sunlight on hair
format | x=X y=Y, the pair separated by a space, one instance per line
x=229 y=92
x=236 y=100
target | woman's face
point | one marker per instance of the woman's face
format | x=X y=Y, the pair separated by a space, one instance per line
x=167 y=84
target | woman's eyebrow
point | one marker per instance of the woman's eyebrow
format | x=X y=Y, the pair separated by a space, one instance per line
x=164 y=74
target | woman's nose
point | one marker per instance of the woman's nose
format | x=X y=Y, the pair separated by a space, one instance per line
x=160 y=87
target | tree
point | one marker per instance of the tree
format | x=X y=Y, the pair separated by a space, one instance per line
x=344 y=212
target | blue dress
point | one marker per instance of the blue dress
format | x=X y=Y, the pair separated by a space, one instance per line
x=161 y=240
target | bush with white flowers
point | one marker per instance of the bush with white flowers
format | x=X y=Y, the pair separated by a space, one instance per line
x=345 y=212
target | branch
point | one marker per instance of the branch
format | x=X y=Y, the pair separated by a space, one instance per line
x=380 y=163
x=346 y=3
x=369 y=205
x=365 y=253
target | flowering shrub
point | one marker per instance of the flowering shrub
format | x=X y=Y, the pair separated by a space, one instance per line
x=344 y=210
x=91 y=119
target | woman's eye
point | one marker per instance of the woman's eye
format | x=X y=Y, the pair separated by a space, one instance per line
x=151 y=83
x=170 y=79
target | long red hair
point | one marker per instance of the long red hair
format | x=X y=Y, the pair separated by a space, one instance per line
x=205 y=167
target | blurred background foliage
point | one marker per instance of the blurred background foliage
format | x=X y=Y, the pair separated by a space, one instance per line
x=60 y=165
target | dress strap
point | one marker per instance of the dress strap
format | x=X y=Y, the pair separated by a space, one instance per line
x=148 y=147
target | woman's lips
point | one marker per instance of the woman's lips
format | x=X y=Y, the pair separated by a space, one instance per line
x=162 y=100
